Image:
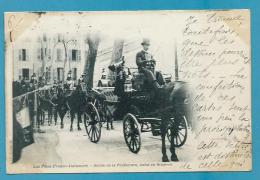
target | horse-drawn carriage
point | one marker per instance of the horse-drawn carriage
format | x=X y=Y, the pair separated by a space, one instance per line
x=163 y=111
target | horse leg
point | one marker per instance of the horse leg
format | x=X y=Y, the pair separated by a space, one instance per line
x=72 y=115
x=42 y=117
x=61 y=114
x=163 y=135
x=38 y=116
x=79 y=120
x=108 y=128
x=49 y=117
x=111 y=123
x=55 y=116
x=172 y=148
x=51 y=114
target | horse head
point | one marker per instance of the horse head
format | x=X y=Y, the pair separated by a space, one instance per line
x=180 y=99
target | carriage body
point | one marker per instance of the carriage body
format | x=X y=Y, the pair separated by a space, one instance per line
x=138 y=110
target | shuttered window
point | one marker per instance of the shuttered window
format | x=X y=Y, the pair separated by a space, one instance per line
x=75 y=55
x=22 y=55
x=25 y=73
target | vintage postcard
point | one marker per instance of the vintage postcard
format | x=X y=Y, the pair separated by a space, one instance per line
x=128 y=91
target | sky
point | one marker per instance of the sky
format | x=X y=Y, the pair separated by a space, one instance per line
x=162 y=28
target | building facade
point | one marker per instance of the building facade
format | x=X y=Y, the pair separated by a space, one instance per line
x=49 y=56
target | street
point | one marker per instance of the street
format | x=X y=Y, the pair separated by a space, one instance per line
x=60 y=146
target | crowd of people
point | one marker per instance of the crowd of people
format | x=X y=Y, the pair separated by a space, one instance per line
x=24 y=86
x=45 y=94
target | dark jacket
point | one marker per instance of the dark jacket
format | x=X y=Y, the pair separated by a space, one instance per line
x=141 y=57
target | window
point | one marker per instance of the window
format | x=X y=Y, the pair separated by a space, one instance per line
x=60 y=74
x=49 y=54
x=22 y=55
x=39 y=53
x=25 y=73
x=59 y=55
x=75 y=55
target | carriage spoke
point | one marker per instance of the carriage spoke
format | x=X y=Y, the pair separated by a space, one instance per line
x=127 y=134
x=97 y=133
x=135 y=145
x=92 y=133
x=130 y=142
x=88 y=130
x=181 y=133
x=176 y=140
x=179 y=138
x=181 y=128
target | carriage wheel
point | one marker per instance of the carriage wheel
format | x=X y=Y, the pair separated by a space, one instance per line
x=92 y=123
x=132 y=133
x=180 y=131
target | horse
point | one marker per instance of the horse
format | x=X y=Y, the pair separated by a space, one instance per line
x=61 y=105
x=77 y=102
x=45 y=105
x=171 y=103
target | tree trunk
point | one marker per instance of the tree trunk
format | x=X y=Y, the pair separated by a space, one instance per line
x=116 y=55
x=93 y=42
x=176 y=65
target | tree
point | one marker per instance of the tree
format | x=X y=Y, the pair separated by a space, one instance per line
x=65 y=46
x=44 y=54
x=116 y=55
x=93 y=41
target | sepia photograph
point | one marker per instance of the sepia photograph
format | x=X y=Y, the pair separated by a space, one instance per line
x=128 y=91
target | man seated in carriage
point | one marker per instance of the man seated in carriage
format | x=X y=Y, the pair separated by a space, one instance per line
x=146 y=65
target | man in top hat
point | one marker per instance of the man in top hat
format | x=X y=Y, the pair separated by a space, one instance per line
x=146 y=64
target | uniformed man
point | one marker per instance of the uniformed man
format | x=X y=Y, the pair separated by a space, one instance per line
x=103 y=75
x=81 y=82
x=33 y=81
x=146 y=64
x=41 y=82
x=70 y=82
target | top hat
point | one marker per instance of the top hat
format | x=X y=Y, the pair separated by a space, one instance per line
x=146 y=41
